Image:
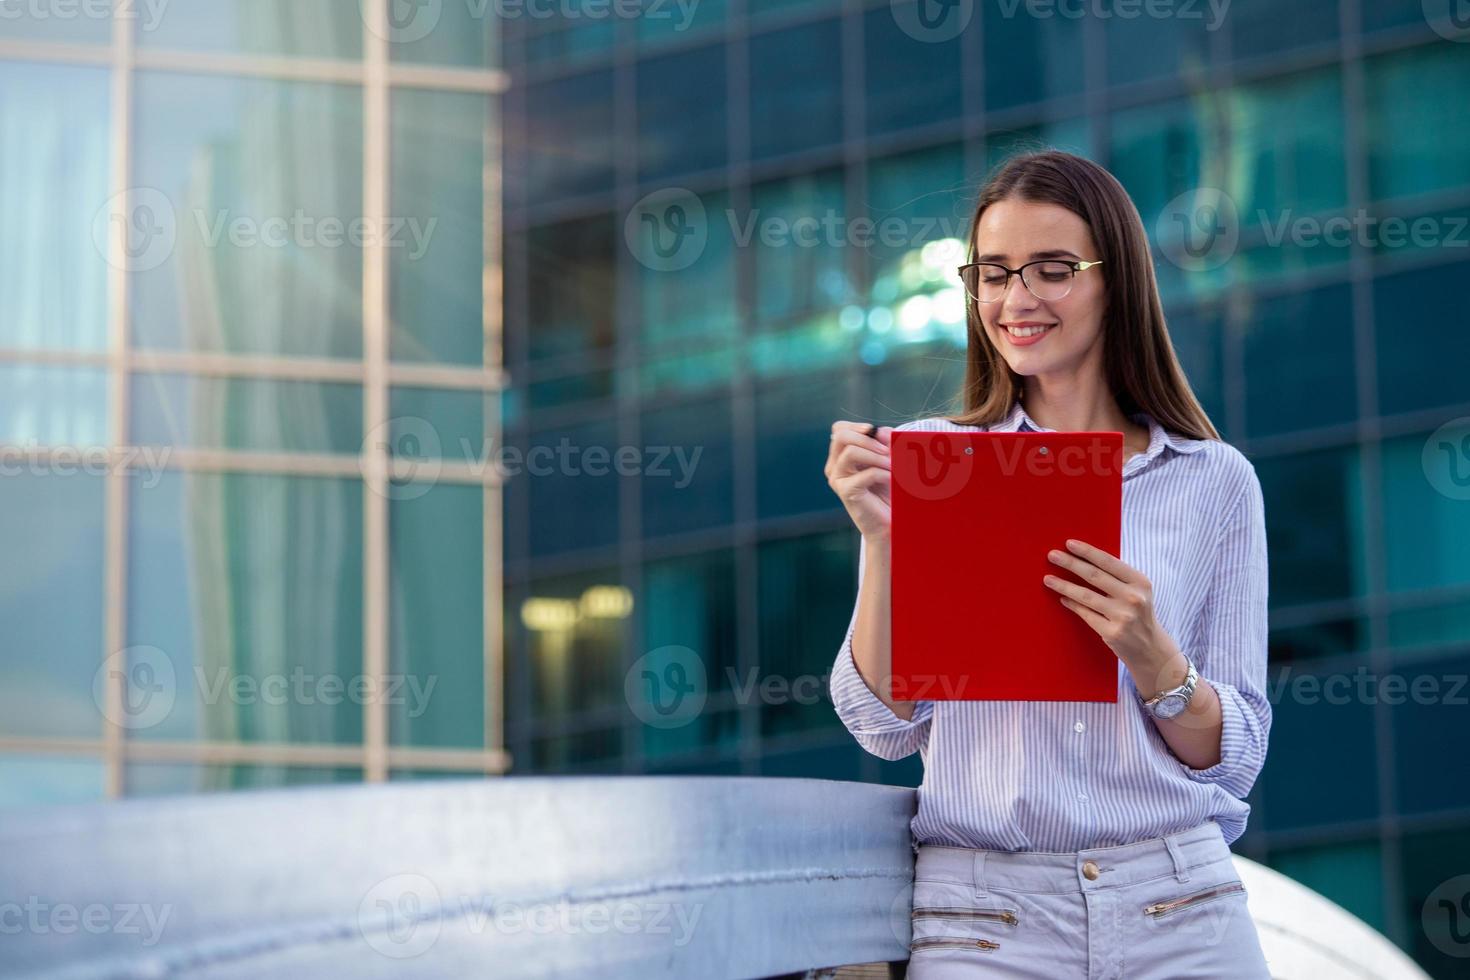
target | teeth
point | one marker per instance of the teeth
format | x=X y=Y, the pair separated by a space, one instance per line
x=1027 y=331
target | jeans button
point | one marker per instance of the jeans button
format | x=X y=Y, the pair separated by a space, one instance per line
x=1089 y=870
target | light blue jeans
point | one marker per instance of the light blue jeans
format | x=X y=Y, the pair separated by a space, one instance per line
x=1158 y=909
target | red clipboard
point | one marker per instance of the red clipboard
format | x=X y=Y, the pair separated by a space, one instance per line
x=974 y=516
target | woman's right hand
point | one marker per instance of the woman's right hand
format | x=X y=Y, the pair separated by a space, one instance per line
x=859 y=471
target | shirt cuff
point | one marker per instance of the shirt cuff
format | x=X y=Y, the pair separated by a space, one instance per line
x=1234 y=737
x=862 y=711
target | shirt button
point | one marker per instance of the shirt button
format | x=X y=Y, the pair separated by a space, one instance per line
x=1078 y=727
x=1082 y=797
x=1089 y=870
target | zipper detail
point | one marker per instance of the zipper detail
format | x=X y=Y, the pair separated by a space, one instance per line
x=1164 y=908
x=941 y=942
x=943 y=912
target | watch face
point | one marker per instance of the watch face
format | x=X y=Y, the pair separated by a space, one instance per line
x=1169 y=706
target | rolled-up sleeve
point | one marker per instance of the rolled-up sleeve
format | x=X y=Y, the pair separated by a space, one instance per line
x=874 y=725
x=1231 y=653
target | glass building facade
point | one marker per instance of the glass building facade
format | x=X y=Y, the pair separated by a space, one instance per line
x=249 y=292
x=725 y=225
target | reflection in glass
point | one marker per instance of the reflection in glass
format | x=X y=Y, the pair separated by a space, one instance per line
x=794 y=97
x=1425 y=531
x=1349 y=874
x=568 y=138
x=1315 y=525
x=42 y=405
x=53 y=182
x=253 y=414
x=437 y=583
x=50 y=600
x=570 y=478
x=313 y=28
x=169 y=779
x=247 y=583
x=693 y=486
x=455 y=33
x=437 y=262
x=574 y=627
x=572 y=298
x=237 y=245
x=681 y=127
x=909 y=81
x=793 y=430
x=1031 y=59
x=1299 y=362
x=43 y=780
x=1430 y=304
x=1428 y=728
x=1416 y=145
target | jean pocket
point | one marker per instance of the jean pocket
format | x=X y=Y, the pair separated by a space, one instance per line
x=1193 y=898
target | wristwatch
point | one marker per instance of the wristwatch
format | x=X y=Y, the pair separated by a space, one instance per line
x=1170 y=703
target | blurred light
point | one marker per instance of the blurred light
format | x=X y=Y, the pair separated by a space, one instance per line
x=548 y=615
x=607 y=602
x=914 y=314
x=949 y=305
x=873 y=352
x=880 y=319
x=851 y=318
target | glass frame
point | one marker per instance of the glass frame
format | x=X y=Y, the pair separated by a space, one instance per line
x=1075 y=265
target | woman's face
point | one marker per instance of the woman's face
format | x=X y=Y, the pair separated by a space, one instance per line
x=1013 y=232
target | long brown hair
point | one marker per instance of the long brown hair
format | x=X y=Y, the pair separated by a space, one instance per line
x=1143 y=372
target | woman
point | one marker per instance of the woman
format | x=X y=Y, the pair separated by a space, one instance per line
x=1081 y=839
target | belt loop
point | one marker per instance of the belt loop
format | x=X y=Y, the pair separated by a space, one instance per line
x=1181 y=870
x=979 y=873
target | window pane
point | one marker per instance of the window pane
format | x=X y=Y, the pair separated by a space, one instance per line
x=1425 y=531
x=1349 y=874
x=1319 y=769
x=1031 y=58
x=454 y=34
x=661 y=23
x=41 y=405
x=574 y=500
x=692 y=487
x=85 y=23
x=51 y=602
x=572 y=298
x=1073 y=135
x=1329 y=639
x=1158 y=154
x=594 y=751
x=568 y=141
x=1198 y=335
x=44 y=780
x=569 y=389
x=235 y=246
x=1429 y=860
x=795 y=98
x=1416 y=143
x=437 y=585
x=1299 y=367
x=315 y=28
x=248 y=591
x=1428 y=711
x=1286 y=141
x=689 y=304
x=168 y=779
x=912 y=79
x=1432 y=299
x=838 y=762
x=1430 y=626
x=1260 y=27
x=807 y=588
x=53 y=184
x=1176 y=46
x=919 y=386
x=246 y=413
x=574 y=627
x=793 y=432
x=682 y=113
x=450 y=424
x=437 y=256
x=1315 y=525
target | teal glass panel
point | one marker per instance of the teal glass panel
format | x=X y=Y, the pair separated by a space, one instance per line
x=566 y=42
x=1432 y=890
x=445 y=423
x=1300 y=370
x=570 y=389
x=911 y=78
x=926 y=384
x=807 y=586
x=574 y=628
x=437 y=587
x=693 y=305
x=452 y=33
x=597 y=751
x=53 y=190
x=662 y=23
x=682 y=115
x=1432 y=300
x=311 y=28
x=1260 y=27
x=795 y=97
x=245 y=605
x=258 y=415
x=1424 y=529
x=1198 y=335
x=1072 y=135
x=1349 y=874
x=571 y=478
x=1427 y=705
x=437 y=255
x=79 y=22
x=1031 y=58
x=1332 y=638
x=1434 y=626
x=233 y=244
x=47 y=780
x=1177 y=47
x=568 y=142
x=571 y=273
x=1286 y=147
x=43 y=405
x=1315 y=525
x=687 y=481
x=1416 y=143
x=51 y=521
x=793 y=432
x=170 y=779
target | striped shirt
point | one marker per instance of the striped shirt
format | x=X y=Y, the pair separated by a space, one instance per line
x=1069 y=775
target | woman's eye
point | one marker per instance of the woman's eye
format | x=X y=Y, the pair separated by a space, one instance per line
x=1053 y=276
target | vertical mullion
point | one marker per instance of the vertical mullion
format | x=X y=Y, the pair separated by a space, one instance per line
x=376 y=105
x=493 y=497
x=115 y=545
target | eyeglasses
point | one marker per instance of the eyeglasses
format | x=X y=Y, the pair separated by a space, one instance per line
x=1048 y=279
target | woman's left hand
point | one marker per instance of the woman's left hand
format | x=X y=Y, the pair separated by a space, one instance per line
x=1119 y=606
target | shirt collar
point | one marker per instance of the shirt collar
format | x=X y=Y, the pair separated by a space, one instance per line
x=1158 y=437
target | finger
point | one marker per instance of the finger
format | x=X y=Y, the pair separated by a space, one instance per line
x=885 y=435
x=1111 y=564
x=1077 y=593
x=853 y=434
x=1091 y=618
x=1100 y=580
x=853 y=487
x=853 y=458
